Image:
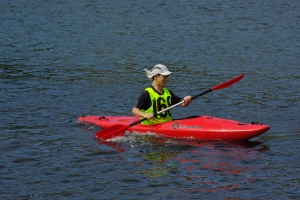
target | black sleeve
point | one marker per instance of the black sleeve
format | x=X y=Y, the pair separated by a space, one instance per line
x=175 y=99
x=144 y=101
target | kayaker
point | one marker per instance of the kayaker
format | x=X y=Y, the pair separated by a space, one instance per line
x=157 y=97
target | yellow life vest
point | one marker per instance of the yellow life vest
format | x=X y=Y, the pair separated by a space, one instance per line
x=158 y=103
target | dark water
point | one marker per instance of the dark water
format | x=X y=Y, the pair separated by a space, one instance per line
x=63 y=59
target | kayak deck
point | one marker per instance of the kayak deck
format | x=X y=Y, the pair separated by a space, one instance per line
x=197 y=127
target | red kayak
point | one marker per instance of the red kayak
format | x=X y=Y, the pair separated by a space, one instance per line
x=197 y=127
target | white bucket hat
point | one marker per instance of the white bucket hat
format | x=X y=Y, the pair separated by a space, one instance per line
x=157 y=69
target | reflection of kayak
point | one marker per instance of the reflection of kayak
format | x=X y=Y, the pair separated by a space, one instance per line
x=198 y=127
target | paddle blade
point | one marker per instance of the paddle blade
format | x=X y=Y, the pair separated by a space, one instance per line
x=112 y=131
x=227 y=83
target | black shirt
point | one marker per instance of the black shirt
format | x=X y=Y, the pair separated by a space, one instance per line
x=144 y=101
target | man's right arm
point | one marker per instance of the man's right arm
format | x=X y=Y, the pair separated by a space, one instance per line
x=143 y=104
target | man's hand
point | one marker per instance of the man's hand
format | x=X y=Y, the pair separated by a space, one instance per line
x=187 y=100
x=148 y=115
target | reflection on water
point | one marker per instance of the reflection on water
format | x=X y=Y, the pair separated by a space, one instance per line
x=205 y=164
x=158 y=162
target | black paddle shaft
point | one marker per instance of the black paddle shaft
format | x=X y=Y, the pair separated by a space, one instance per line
x=198 y=95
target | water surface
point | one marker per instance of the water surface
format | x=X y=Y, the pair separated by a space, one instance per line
x=63 y=59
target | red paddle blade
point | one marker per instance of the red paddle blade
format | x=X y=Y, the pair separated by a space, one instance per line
x=227 y=83
x=112 y=131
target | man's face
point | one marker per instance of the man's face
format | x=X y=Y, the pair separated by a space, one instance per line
x=162 y=80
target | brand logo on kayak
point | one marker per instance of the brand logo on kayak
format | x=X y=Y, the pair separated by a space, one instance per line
x=177 y=126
